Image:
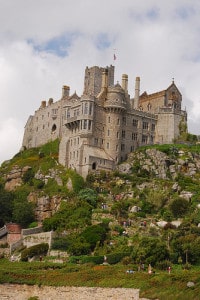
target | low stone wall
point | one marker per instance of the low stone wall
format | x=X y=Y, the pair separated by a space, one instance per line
x=24 y=292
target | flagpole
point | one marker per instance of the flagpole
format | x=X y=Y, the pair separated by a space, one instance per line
x=114 y=56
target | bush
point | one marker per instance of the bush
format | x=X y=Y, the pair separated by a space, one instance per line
x=114 y=258
x=179 y=207
x=60 y=244
x=83 y=259
x=28 y=176
x=163 y=265
x=40 y=249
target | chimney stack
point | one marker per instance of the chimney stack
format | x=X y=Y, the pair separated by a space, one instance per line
x=125 y=82
x=43 y=104
x=65 y=91
x=104 y=85
x=137 y=92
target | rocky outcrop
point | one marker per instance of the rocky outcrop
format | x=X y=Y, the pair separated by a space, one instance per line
x=14 y=178
x=46 y=206
x=161 y=165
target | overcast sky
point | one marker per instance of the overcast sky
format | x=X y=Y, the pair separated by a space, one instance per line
x=45 y=44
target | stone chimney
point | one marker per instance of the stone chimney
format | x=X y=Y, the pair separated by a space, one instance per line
x=50 y=101
x=43 y=104
x=104 y=84
x=125 y=82
x=65 y=91
x=137 y=92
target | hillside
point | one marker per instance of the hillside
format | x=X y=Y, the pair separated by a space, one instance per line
x=145 y=212
x=151 y=199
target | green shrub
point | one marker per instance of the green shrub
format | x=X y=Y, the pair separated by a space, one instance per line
x=60 y=244
x=163 y=265
x=83 y=259
x=179 y=207
x=114 y=258
x=28 y=176
x=40 y=249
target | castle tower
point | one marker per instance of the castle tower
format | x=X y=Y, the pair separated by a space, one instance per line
x=93 y=79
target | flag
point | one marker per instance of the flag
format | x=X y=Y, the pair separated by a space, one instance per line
x=114 y=57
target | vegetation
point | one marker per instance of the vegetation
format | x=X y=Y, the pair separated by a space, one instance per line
x=112 y=215
x=159 y=285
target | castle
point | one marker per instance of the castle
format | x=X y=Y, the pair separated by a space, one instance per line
x=98 y=129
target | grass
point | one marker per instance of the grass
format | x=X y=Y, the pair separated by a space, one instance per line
x=159 y=285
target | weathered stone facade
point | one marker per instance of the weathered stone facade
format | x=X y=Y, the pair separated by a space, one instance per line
x=99 y=129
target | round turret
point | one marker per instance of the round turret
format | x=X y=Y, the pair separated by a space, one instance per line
x=116 y=98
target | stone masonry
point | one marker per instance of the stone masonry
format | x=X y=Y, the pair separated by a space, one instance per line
x=98 y=129
x=24 y=292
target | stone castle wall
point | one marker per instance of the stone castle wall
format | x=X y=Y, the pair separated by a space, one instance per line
x=24 y=292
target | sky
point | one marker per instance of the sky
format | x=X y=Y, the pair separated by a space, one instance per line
x=45 y=44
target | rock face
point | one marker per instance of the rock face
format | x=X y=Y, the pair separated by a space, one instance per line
x=162 y=165
x=46 y=206
x=24 y=292
x=14 y=178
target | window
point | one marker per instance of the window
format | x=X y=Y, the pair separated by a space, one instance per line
x=135 y=123
x=53 y=128
x=122 y=147
x=134 y=136
x=124 y=120
x=144 y=139
x=145 y=125
x=89 y=125
x=123 y=134
x=109 y=119
x=118 y=121
x=68 y=113
x=85 y=124
x=108 y=146
x=117 y=134
x=90 y=108
x=86 y=109
x=153 y=126
x=108 y=132
x=149 y=107
x=117 y=147
x=96 y=141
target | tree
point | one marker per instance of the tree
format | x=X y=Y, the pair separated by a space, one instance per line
x=73 y=215
x=23 y=212
x=152 y=250
x=6 y=203
x=89 y=195
x=94 y=234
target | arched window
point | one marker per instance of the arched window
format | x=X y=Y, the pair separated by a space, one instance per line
x=53 y=128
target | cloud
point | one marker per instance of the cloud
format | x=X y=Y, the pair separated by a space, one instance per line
x=45 y=44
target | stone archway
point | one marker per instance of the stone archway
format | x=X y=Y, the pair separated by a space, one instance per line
x=94 y=166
